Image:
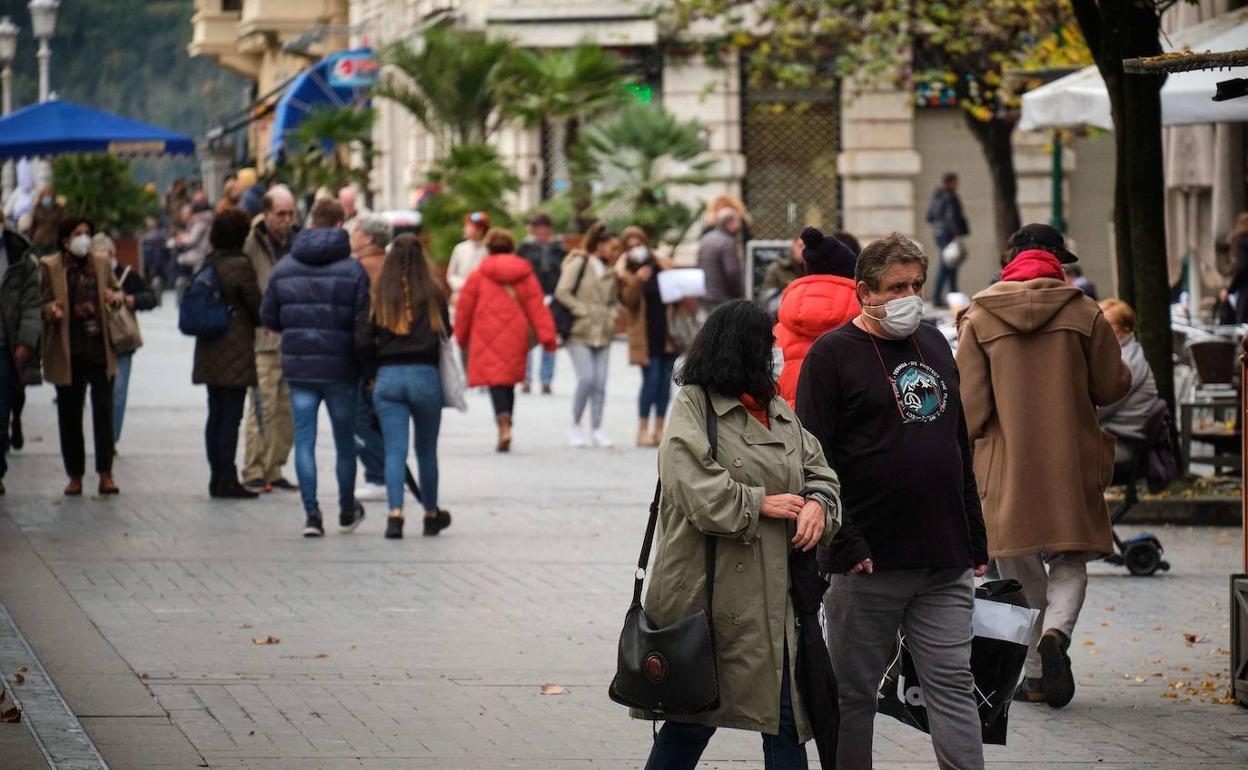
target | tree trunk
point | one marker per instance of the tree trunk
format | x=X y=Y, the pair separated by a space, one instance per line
x=1124 y=261
x=996 y=140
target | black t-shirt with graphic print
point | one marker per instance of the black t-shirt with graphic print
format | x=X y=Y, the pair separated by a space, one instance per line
x=889 y=416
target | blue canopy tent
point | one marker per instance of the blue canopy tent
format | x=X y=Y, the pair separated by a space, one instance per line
x=57 y=127
x=340 y=80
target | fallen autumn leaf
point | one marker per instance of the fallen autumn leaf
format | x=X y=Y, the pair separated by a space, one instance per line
x=267 y=640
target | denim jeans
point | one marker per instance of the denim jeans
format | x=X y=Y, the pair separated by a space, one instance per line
x=944 y=273
x=368 y=442
x=8 y=386
x=547 y=365
x=305 y=402
x=410 y=393
x=121 y=386
x=679 y=745
x=656 y=386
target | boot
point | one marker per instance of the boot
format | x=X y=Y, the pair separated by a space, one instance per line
x=658 y=431
x=504 y=433
x=107 y=486
x=643 y=433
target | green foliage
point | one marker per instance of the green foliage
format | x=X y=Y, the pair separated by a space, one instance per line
x=319 y=152
x=562 y=84
x=473 y=178
x=101 y=188
x=453 y=81
x=638 y=154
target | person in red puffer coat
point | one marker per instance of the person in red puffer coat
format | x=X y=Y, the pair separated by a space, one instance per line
x=818 y=302
x=500 y=307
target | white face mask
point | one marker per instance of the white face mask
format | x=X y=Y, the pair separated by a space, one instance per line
x=80 y=245
x=902 y=316
x=638 y=255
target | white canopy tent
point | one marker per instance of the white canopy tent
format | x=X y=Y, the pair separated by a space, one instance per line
x=1080 y=99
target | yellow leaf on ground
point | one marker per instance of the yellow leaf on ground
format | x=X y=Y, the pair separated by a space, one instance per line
x=552 y=689
x=267 y=640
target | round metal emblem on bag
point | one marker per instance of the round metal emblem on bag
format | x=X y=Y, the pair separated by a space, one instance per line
x=656 y=667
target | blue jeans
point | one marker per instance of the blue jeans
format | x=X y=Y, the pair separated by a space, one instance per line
x=368 y=442
x=121 y=385
x=402 y=393
x=679 y=745
x=305 y=402
x=8 y=386
x=548 y=365
x=656 y=386
x=944 y=273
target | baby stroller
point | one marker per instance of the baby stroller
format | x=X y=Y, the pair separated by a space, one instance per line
x=1151 y=459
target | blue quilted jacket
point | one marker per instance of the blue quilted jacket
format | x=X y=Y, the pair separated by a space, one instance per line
x=318 y=299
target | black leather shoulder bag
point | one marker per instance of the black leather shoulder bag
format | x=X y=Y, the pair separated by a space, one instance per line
x=669 y=670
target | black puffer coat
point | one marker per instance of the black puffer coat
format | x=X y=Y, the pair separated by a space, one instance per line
x=230 y=360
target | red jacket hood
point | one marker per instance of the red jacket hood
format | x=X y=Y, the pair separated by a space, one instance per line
x=815 y=304
x=507 y=269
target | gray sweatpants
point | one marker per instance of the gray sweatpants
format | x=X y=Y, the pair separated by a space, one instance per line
x=591 y=381
x=1057 y=592
x=933 y=607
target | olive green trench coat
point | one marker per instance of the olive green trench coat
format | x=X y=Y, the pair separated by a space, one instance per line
x=720 y=497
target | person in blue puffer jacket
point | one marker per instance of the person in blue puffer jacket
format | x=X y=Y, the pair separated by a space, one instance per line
x=318 y=299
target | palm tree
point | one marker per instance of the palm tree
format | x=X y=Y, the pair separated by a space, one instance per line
x=454 y=81
x=639 y=154
x=563 y=88
x=318 y=151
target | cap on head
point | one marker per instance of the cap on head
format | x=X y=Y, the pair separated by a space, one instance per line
x=1042 y=237
x=478 y=218
x=825 y=255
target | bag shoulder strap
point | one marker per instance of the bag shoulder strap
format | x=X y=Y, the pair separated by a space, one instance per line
x=712 y=436
x=124 y=275
x=580 y=276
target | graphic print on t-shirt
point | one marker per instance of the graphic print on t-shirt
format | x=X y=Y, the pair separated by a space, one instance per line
x=920 y=391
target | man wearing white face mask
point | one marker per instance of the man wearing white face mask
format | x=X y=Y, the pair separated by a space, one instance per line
x=881 y=394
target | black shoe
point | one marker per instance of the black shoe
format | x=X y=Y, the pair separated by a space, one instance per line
x=349 y=520
x=214 y=488
x=394 y=527
x=232 y=489
x=16 y=439
x=284 y=485
x=1030 y=691
x=1058 y=681
x=313 y=527
x=435 y=524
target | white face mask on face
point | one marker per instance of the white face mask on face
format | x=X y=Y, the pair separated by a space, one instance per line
x=638 y=255
x=902 y=316
x=80 y=245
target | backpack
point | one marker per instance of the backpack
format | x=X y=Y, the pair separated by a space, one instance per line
x=564 y=320
x=203 y=311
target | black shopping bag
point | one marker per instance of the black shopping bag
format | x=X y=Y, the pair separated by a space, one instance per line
x=1003 y=625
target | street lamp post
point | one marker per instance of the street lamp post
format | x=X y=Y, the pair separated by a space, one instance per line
x=8 y=52
x=43 y=25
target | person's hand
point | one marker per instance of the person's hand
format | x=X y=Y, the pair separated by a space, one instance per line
x=114 y=298
x=809 y=526
x=55 y=311
x=784 y=506
x=1223 y=295
x=21 y=354
x=981 y=570
x=864 y=566
x=130 y=301
x=644 y=273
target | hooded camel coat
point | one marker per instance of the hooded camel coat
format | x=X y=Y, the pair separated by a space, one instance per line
x=719 y=497
x=1036 y=358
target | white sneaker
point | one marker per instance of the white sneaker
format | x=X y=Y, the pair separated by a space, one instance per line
x=370 y=493
x=601 y=439
x=577 y=437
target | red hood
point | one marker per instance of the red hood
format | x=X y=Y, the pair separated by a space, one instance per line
x=507 y=269
x=816 y=304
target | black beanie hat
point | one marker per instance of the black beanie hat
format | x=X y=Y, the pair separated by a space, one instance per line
x=825 y=255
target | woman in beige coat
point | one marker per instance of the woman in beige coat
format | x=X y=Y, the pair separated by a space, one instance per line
x=765 y=491
x=588 y=287
x=78 y=293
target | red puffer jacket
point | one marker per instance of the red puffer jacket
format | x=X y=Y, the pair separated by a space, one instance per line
x=493 y=324
x=811 y=305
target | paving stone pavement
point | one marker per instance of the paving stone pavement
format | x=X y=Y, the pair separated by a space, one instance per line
x=432 y=652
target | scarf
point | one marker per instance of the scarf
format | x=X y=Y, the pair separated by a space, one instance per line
x=757 y=411
x=84 y=294
x=1032 y=264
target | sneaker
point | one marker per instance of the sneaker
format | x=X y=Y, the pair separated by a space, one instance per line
x=601 y=439
x=284 y=485
x=577 y=437
x=370 y=493
x=349 y=520
x=1057 y=680
x=435 y=524
x=546 y=391
x=394 y=527
x=257 y=485
x=313 y=527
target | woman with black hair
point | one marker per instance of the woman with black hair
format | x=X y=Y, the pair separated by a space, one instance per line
x=77 y=291
x=765 y=490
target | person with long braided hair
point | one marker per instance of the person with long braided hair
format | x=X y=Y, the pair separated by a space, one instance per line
x=409 y=324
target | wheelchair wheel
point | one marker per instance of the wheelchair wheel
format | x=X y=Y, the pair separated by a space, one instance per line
x=1142 y=559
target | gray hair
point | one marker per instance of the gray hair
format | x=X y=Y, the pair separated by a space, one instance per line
x=375 y=227
x=878 y=256
x=270 y=197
